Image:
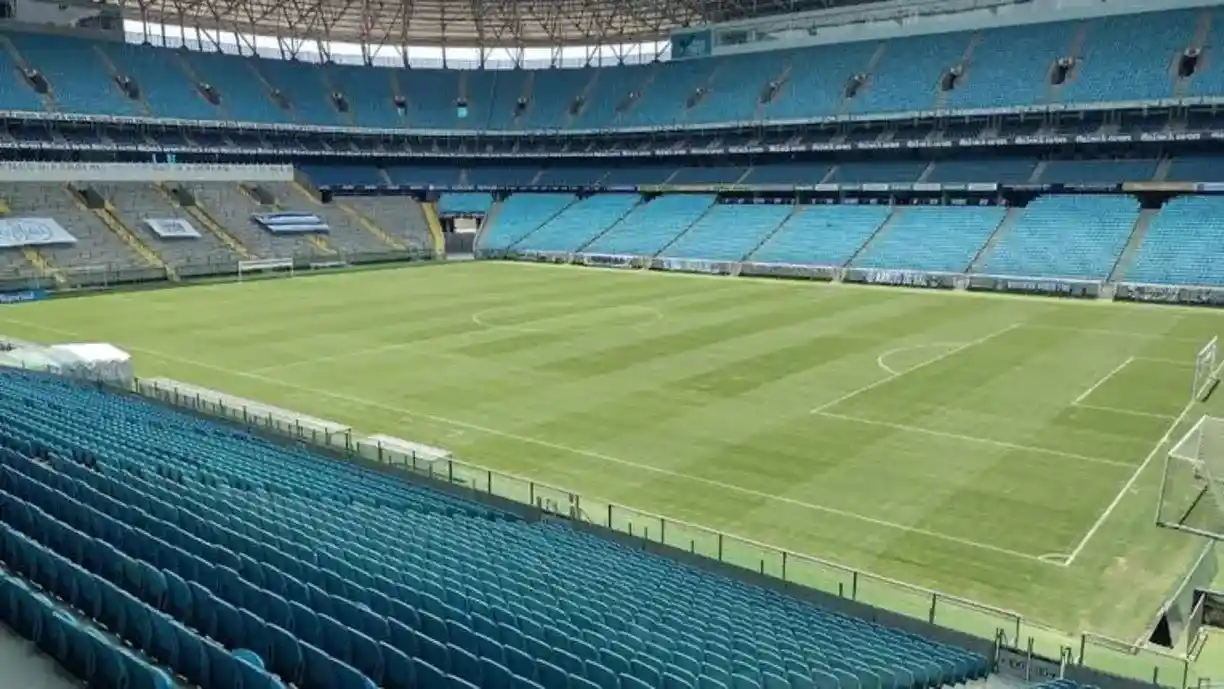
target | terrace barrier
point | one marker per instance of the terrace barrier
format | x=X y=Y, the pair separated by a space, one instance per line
x=1023 y=648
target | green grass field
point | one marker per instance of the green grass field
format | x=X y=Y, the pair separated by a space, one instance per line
x=1001 y=449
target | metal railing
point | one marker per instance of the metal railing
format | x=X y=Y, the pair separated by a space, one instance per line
x=1092 y=658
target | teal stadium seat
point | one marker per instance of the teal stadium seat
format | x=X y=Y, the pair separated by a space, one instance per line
x=1182 y=244
x=465 y=203
x=1064 y=236
x=729 y=232
x=520 y=215
x=931 y=238
x=78 y=76
x=822 y=235
x=181 y=538
x=580 y=223
x=652 y=225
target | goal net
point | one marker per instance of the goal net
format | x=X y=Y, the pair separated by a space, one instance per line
x=265 y=266
x=1192 y=490
x=1205 y=374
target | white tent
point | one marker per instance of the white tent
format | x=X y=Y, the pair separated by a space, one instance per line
x=93 y=361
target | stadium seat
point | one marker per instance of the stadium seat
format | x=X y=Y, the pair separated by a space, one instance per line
x=1181 y=246
x=1064 y=236
x=931 y=238
x=822 y=235
x=520 y=215
x=651 y=226
x=224 y=510
x=580 y=223
x=729 y=232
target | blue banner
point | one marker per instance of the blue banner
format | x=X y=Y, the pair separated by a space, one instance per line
x=291 y=222
x=23 y=296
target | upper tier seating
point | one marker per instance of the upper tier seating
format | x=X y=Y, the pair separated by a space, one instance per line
x=580 y=223
x=78 y=77
x=1110 y=42
x=190 y=541
x=1066 y=237
x=1196 y=169
x=787 y=173
x=342 y=175
x=931 y=238
x=728 y=232
x=1097 y=171
x=1182 y=244
x=652 y=225
x=520 y=215
x=822 y=235
x=892 y=171
x=1005 y=66
x=168 y=92
x=987 y=170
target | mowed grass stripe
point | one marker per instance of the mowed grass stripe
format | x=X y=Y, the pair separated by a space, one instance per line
x=786 y=478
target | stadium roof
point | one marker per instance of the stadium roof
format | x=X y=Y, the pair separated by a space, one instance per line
x=510 y=23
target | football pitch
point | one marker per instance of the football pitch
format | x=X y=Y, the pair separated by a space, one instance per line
x=1007 y=450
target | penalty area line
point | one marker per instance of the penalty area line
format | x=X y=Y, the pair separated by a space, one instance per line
x=1134 y=478
x=903 y=528
x=891 y=377
x=1117 y=369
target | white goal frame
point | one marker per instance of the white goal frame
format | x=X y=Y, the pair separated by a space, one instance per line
x=1205 y=374
x=265 y=265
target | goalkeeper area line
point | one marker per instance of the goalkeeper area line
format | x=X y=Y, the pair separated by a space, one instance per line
x=1212 y=380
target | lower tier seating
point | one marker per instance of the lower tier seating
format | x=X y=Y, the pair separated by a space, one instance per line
x=1182 y=244
x=931 y=238
x=1065 y=236
x=822 y=235
x=230 y=561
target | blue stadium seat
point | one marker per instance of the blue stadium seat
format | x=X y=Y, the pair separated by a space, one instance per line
x=580 y=223
x=729 y=232
x=82 y=466
x=520 y=215
x=931 y=238
x=1182 y=243
x=652 y=225
x=1064 y=236
x=822 y=235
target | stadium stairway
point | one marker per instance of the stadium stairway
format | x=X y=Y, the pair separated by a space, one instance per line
x=90 y=200
x=1005 y=225
x=370 y=226
x=265 y=199
x=893 y=215
x=1202 y=31
x=43 y=265
x=430 y=209
x=24 y=93
x=184 y=199
x=695 y=222
x=582 y=223
x=116 y=74
x=364 y=234
x=220 y=109
x=1127 y=257
x=795 y=210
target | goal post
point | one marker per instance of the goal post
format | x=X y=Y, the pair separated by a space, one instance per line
x=265 y=266
x=1192 y=489
x=1206 y=377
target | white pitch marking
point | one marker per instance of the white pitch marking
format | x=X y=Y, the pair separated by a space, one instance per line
x=480 y=317
x=564 y=448
x=1059 y=559
x=974 y=439
x=1117 y=369
x=930 y=345
x=1128 y=412
x=1130 y=483
x=955 y=350
x=1161 y=360
x=1113 y=333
